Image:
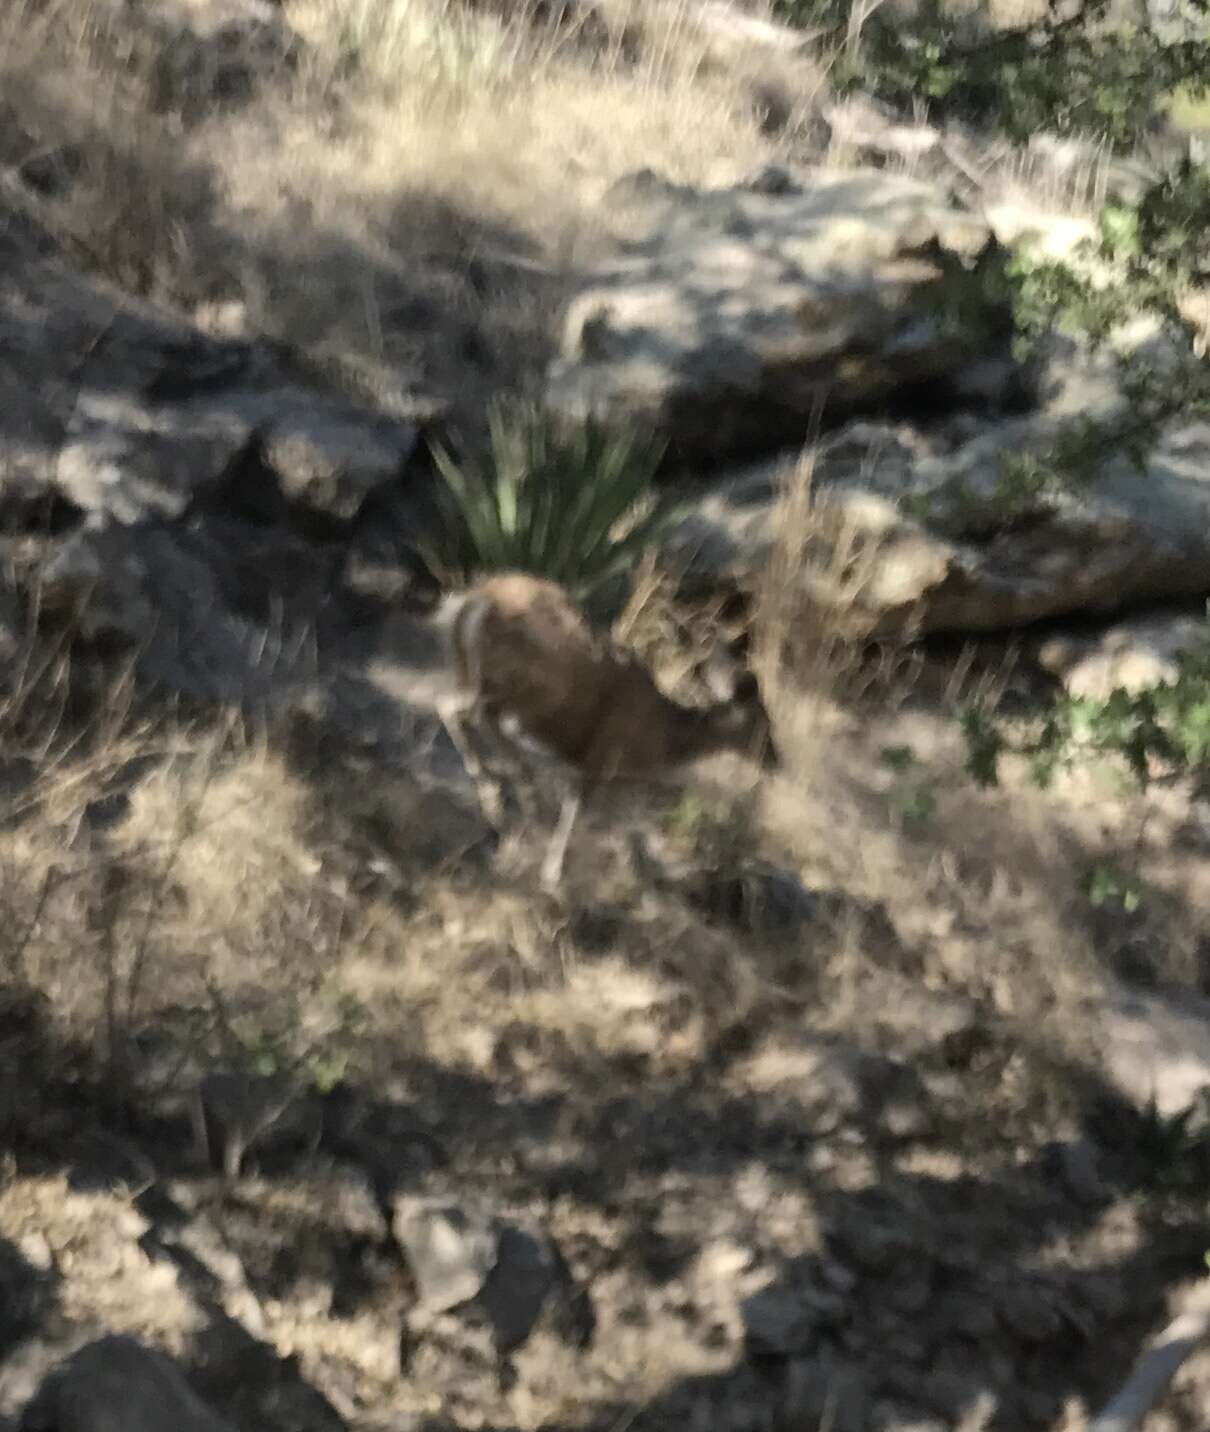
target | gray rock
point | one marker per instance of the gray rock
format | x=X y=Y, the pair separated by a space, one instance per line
x=918 y=540
x=1075 y=1164
x=131 y=453
x=118 y=1385
x=739 y=310
x=528 y=1270
x=1129 y=656
x=776 y=1325
x=329 y=459
x=449 y=1250
x=1029 y=1312
x=788 y=1319
x=132 y=413
x=499 y=1281
x=1156 y=1048
x=874 y=1246
x=757 y=897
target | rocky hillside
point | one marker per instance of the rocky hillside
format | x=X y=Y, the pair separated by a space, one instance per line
x=854 y=1096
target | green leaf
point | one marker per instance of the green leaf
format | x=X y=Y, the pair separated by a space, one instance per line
x=574 y=507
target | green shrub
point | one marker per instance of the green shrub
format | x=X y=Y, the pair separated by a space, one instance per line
x=1070 y=71
x=576 y=507
x=1157 y=249
x=1164 y=729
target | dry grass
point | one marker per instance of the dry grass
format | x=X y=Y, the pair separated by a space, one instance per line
x=414 y=195
x=212 y=915
x=216 y=885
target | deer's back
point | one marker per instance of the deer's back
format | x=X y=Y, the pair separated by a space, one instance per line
x=572 y=690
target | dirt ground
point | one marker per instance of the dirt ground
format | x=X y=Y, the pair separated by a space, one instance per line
x=819 y=1111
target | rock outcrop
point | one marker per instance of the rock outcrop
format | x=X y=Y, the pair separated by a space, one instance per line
x=738 y=315
x=907 y=538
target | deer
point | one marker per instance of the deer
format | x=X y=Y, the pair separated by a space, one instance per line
x=524 y=651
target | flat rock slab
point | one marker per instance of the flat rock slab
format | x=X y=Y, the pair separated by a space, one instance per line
x=903 y=538
x=737 y=312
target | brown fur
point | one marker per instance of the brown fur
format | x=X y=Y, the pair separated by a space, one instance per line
x=587 y=701
x=523 y=648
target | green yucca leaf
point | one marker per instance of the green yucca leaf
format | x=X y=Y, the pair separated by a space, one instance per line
x=621 y=482
x=574 y=507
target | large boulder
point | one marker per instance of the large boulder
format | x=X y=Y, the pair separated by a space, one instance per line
x=901 y=537
x=165 y=419
x=128 y=411
x=907 y=527
x=118 y=1385
x=736 y=313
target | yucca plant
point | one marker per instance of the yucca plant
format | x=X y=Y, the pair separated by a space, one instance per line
x=576 y=507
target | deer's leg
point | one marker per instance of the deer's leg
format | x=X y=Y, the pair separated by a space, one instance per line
x=525 y=767
x=556 y=851
x=463 y=719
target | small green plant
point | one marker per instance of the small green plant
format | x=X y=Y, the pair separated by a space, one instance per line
x=317 y=1045
x=916 y=805
x=1156 y=250
x=1161 y=732
x=717 y=825
x=1174 y=1149
x=898 y=758
x=575 y=507
x=914 y=801
x=1107 y=886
